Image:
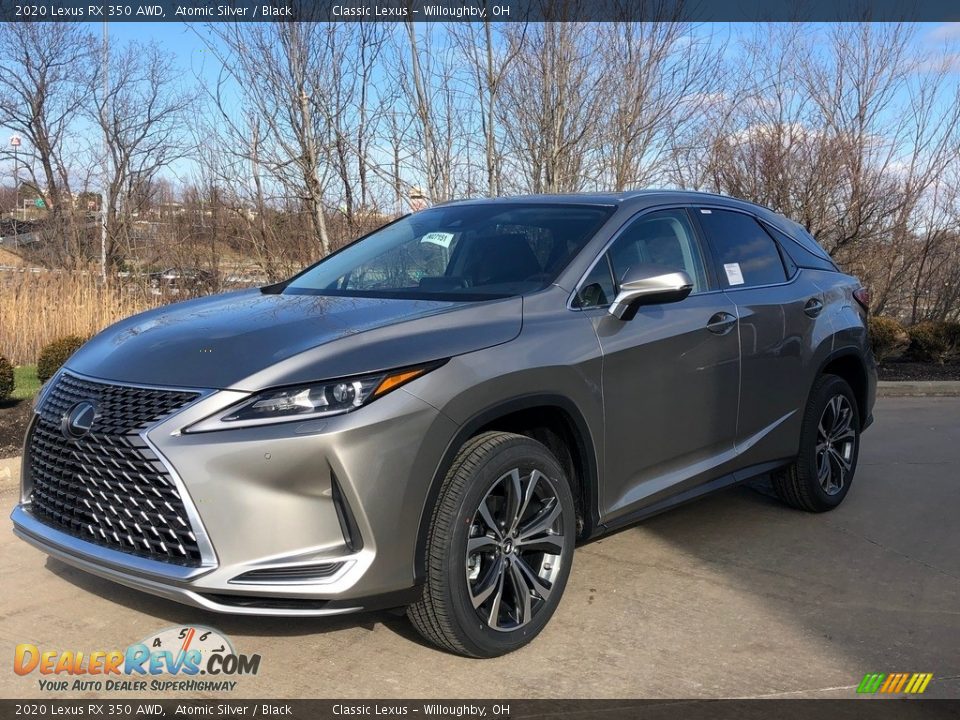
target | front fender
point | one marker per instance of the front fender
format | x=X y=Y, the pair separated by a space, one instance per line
x=554 y=365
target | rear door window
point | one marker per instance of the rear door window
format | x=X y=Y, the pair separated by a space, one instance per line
x=746 y=255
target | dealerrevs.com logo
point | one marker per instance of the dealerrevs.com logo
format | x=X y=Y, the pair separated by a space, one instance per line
x=190 y=659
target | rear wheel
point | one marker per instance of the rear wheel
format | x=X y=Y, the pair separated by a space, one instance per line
x=820 y=477
x=499 y=547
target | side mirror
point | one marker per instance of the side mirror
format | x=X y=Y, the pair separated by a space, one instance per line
x=649 y=285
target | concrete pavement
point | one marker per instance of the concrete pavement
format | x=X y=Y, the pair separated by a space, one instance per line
x=732 y=596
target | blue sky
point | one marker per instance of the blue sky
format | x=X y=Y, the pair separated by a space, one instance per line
x=178 y=38
x=181 y=38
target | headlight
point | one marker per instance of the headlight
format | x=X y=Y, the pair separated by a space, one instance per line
x=304 y=402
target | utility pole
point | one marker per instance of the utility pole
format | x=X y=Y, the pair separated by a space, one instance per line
x=15 y=144
x=106 y=155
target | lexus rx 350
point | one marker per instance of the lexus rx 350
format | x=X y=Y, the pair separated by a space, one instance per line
x=434 y=416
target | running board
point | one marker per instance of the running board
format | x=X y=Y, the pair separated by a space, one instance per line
x=720 y=483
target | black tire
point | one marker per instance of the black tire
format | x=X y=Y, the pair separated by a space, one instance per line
x=803 y=484
x=445 y=615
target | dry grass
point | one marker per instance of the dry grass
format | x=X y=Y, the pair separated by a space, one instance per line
x=36 y=308
x=10 y=259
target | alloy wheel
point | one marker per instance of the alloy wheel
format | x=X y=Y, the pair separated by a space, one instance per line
x=514 y=549
x=836 y=442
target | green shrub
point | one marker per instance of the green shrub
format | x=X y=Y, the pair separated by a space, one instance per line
x=55 y=354
x=6 y=379
x=887 y=337
x=934 y=341
x=951 y=330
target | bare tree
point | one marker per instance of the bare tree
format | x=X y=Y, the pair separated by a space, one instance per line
x=351 y=108
x=439 y=113
x=489 y=55
x=551 y=103
x=45 y=75
x=275 y=68
x=46 y=70
x=142 y=115
x=424 y=110
x=252 y=195
x=662 y=72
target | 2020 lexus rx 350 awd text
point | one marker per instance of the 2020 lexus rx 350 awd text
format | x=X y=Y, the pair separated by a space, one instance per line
x=435 y=415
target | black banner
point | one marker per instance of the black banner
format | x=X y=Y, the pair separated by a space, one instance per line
x=477 y=10
x=875 y=709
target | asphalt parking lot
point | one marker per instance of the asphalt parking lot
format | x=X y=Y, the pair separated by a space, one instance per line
x=733 y=596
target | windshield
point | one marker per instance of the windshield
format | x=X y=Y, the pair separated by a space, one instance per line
x=458 y=252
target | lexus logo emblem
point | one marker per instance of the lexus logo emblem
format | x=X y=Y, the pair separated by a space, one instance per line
x=78 y=420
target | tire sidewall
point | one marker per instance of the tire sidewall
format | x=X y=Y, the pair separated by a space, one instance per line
x=828 y=388
x=526 y=455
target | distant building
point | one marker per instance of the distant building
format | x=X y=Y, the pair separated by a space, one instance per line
x=418 y=200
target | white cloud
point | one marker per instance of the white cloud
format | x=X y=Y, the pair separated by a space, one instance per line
x=950 y=62
x=945 y=31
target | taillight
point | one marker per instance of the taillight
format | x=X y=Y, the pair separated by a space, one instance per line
x=862 y=296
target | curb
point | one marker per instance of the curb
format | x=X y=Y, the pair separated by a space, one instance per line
x=926 y=388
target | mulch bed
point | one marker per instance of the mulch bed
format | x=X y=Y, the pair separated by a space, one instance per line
x=907 y=370
x=14 y=417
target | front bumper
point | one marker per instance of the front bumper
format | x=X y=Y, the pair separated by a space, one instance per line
x=115 y=566
x=304 y=518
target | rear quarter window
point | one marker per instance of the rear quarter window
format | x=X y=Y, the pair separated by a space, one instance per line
x=802 y=248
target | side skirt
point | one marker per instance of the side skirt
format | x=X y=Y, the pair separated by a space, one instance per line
x=724 y=481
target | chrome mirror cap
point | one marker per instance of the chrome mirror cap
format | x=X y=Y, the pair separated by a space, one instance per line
x=647 y=285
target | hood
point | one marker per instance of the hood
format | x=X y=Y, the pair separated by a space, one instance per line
x=249 y=340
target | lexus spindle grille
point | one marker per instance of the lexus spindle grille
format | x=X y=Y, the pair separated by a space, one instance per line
x=107 y=486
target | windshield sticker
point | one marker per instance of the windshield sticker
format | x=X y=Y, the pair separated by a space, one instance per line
x=438 y=238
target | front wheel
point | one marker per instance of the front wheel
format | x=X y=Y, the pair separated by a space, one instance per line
x=820 y=477
x=499 y=547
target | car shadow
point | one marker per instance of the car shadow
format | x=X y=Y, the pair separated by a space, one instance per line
x=859 y=592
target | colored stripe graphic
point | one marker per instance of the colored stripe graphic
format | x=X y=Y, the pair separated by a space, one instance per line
x=871 y=682
x=893 y=683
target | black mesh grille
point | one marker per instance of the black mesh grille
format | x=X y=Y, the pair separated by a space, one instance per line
x=108 y=486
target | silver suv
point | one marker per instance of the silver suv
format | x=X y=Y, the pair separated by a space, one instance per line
x=435 y=415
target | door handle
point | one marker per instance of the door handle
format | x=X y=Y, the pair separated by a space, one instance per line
x=813 y=307
x=721 y=323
